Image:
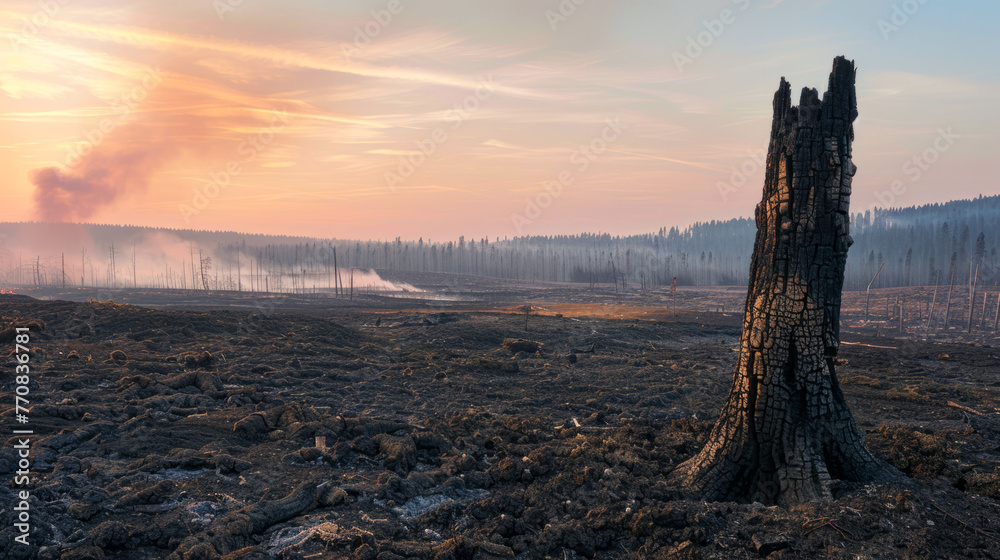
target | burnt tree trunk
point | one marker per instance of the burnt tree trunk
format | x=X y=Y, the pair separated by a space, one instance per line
x=786 y=432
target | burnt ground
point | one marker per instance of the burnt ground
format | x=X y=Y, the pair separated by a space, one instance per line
x=196 y=433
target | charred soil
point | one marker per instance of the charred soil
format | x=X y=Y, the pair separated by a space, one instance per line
x=338 y=432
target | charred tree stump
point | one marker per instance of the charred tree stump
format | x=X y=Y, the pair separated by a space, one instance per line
x=786 y=432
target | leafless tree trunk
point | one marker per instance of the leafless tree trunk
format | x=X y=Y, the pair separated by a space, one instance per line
x=194 y=282
x=930 y=314
x=996 y=316
x=868 y=290
x=947 y=305
x=114 y=270
x=982 y=320
x=336 y=281
x=786 y=431
x=973 y=285
x=205 y=263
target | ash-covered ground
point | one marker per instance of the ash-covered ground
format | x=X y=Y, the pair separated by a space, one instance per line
x=459 y=428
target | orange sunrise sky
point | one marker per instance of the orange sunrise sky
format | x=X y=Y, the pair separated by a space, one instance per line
x=437 y=119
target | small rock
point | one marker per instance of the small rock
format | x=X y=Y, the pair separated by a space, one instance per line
x=203 y=359
x=516 y=345
x=766 y=544
x=251 y=426
x=433 y=535
x=294 y=459
x=83 y=512
x=676 y=413
x=334 y=496
x=310 y=453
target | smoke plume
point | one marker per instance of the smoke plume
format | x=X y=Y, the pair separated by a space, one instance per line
x=120 y=154
x=123 y=163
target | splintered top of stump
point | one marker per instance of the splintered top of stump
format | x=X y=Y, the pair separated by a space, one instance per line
x=837 y=110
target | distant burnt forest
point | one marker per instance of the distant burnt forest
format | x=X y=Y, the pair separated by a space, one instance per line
x=937 y=244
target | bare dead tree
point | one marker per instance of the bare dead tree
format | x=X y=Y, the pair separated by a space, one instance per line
x=947 y=305
x=194 y=282
x=338 y=284
x=113 y=274
x=786 y=431
x=996 y=316
x=973 y=285
x=526 y=309
x=930 y=314
x=982 y=315
x=868 y=290
x=205 y=263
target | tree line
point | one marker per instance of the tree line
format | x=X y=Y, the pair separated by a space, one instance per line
x=934 y=244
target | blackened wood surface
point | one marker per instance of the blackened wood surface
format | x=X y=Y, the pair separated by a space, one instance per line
x=785 y=431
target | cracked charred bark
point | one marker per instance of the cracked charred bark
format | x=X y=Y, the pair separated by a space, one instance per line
x=786 y=432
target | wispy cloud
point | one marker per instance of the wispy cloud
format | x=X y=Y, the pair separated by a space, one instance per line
x=278 y=56
x=353 y=118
